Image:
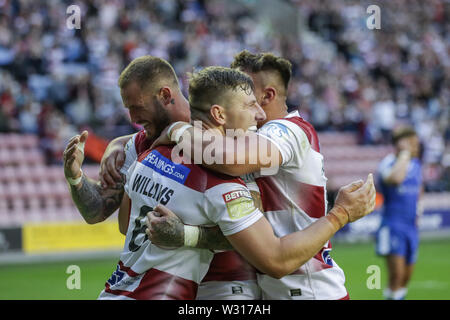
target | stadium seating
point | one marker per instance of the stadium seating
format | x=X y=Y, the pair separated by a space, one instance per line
x=346 y=161
x=30 y=191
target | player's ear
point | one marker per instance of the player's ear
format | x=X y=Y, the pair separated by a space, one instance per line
x=269 y=94
x=165 y=96
x=217 y=113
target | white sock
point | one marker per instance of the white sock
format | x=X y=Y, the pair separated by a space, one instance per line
x=399 y=294
x=387 y=293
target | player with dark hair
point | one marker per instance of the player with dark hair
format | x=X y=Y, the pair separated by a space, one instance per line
x=146 y=271
x=400 y=181
x=293 y=194
x=274 y=254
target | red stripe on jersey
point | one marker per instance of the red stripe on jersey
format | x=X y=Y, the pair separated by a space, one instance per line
x=141 y=143
x=199 y=178
x=271 y=197
x=128 y=270
x=308 y=129
x=347 y=297
x=229 y=266
x=159 y=285
x=311 y=199
x=317 y=264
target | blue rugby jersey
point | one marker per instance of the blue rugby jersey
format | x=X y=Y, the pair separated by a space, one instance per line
x=400 y=201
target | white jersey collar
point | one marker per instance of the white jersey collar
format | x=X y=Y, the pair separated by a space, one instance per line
x=293 y=114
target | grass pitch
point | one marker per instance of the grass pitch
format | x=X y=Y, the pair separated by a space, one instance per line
x=430 y=281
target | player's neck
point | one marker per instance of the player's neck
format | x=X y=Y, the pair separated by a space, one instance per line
x=205 y=123
x=181 y=111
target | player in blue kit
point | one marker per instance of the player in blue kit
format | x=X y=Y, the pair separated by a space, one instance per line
x=400 y=182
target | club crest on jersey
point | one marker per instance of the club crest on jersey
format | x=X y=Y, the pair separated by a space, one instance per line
x=239 y=203
x=326 y=257
x=278 y=130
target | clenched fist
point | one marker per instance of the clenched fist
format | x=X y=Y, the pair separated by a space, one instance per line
x=354 y=201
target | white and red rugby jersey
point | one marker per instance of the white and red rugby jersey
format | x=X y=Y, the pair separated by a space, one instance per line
x=294 y=198
x=226 y=265
x=229 y=266
x=198 y=197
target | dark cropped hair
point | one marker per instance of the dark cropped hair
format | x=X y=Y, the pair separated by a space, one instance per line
x=212 y=84
x=267 y=61
x=148 y=70
x=402 y=132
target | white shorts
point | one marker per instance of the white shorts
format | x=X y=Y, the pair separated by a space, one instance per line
x=229 y=290
x=315 y=286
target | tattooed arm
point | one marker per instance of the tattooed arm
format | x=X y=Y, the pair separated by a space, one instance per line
x=168 y=230
x=212 y=238
x=94 y=202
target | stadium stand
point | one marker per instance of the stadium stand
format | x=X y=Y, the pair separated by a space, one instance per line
x=31 y=191
x=351 y=83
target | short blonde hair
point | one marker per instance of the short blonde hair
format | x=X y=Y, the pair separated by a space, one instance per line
x=148 y=71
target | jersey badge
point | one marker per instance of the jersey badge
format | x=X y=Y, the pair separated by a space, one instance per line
x=239 y=203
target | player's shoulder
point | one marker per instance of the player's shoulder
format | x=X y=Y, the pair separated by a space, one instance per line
x=304 y=125
x=294 y=124
x=296 y=118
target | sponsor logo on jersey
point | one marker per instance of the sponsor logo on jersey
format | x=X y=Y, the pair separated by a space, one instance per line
x=166 y=167
x=239 y=203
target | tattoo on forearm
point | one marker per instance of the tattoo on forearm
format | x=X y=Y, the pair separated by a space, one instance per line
x=94 y=203
x=212 y=238
x=169 y=232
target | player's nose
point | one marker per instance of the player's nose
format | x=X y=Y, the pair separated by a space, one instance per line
x=260 y=115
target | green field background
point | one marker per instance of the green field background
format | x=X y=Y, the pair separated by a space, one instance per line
x=431 y=279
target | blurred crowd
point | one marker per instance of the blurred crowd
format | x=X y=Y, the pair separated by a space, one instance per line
x=55 y=81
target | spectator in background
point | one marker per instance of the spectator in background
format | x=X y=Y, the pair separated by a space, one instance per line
x=346 y=76
x=400 y=182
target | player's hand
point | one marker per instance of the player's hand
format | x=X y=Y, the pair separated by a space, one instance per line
x=164 y=228
x=112 y=160
x=73 y=155
x=163 y=139
x=356 y=199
